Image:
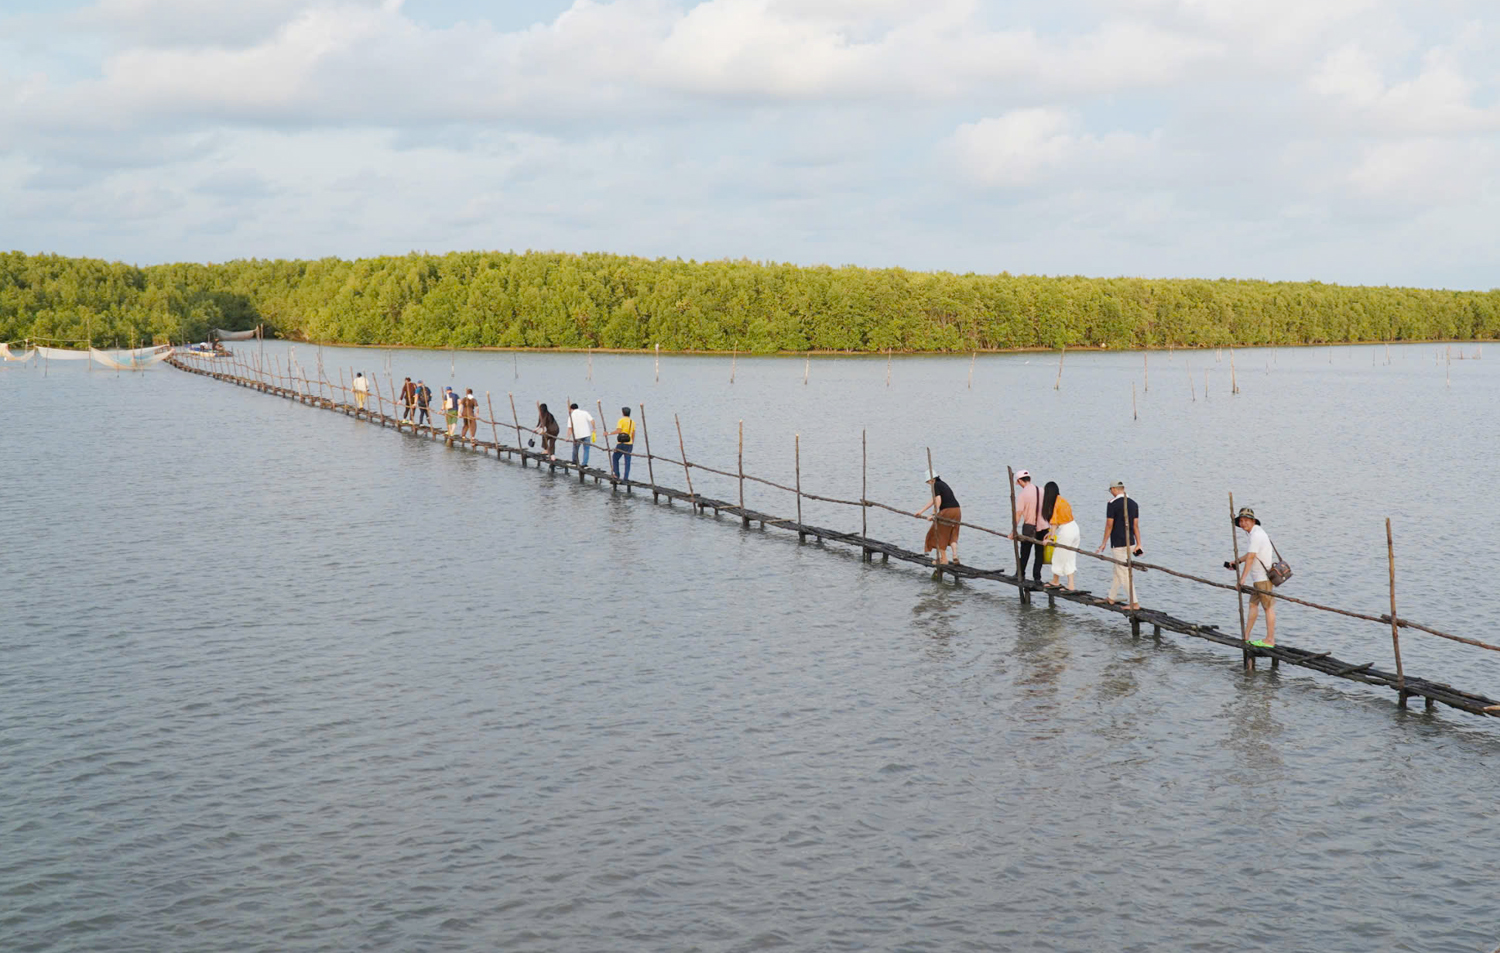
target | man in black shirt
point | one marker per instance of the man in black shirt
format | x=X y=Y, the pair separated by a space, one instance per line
x=1122 y=533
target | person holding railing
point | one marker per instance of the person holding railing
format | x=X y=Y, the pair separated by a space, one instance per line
x=1030 y=522
x=424 y=398
x=450 y=408
x=361 y=390
x=468 y=409
x=1063 y=532
x=546 y=425
x=1258 y=556
x=408 y=400
x=1122 y=531
x=625 y=429
x=943 y=533
x=581 y=432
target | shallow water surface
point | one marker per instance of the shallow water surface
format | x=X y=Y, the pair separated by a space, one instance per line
x=278 y=680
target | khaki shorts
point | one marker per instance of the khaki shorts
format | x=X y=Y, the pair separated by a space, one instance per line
x=1262 y=594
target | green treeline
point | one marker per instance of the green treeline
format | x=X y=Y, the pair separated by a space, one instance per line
x=536 y=299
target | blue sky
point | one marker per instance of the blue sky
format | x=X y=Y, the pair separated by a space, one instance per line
x=1350 y=141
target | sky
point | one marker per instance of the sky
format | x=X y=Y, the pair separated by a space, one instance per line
x=1348 y=141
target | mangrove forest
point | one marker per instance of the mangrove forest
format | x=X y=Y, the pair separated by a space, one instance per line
x=555 y=300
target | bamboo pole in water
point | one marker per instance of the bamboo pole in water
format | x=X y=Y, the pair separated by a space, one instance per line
x=1134 y=415
x=937 y=559
x=806 y=368
x=1146 y=361
x=1131 y=542
x=797 y=463
x=650 y=471
x=1015 y=544
x=744 y=520
x=686 y=467
x=1057 y=384
x=1234 y=384
x=1239 y=593
x=608 y=457
x=972 y=358
x=1390 y=551
x=888 y=367
x=1191 y=388
x=658 y=363
x=516 y=419
x=864 y=492
x=494 y=428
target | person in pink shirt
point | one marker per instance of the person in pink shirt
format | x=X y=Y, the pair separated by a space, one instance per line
x=1030 y=521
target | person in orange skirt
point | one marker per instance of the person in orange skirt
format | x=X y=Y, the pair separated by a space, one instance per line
x=943 y=533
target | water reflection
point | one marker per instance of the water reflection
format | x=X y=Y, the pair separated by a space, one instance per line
x=1254 y=731
x=936 y=613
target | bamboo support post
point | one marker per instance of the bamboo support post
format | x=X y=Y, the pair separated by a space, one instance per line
x=744 y=518
x=1234 y=384
x=974 y=356
x=1134 y=414
x=1390 y=551
x=937 y=504
x=1057 y=384
x=686 y=467
x=1205 y=383
x=515 y=418
x=806 y=368
x=650 y=471
x=734 y=363
x=658 y=363
x=1146 y=362
x=888 y=368
x=864 y=493
x=797 y=463
x=1191 y=388
x=608 y=457
x=494 y=428
x=1239 y=593
x=591 y=365
x=1010 y=478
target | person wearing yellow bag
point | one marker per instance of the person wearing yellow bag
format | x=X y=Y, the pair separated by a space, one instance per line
x=1059 y=514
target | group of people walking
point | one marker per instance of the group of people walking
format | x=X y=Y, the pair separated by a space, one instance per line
x=581 y=435
x=1044 y=521
x=415 y=398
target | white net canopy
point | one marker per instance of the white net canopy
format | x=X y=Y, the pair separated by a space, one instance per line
x=137 y=360
x=236 y=335
x=61 y=354
x=7 y=354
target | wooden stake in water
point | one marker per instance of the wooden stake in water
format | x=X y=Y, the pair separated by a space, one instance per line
x=1010 y=477
x=1205 y=383
x=806 y=369
x=1234 y=386
x=658 y=363
x=650 y=471
x=972 y=358
x=1146 y=362
x=1133 y=414
x=517 y=421
x=888 y=367
x=591 y=365
x=1057 y=384
x=864 y=492
x=1390 y=552
x=515 y=365
x=1191 y=389
x=797 y=463
x=744 y=519
x=734 y=363
x=685 y=465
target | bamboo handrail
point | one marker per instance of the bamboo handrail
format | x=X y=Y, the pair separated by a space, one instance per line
x=266 y=374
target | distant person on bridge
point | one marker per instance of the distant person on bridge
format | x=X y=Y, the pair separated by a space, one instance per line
x=450 y=408
x=468 y=409
x=1064 y=532
x=1258 y=555
x=580 y=431
x=1121 y=534
x=546 y=425
x=361 y=390
x=424 y=398
x=1031 y=523
x=408 y=399
x=943 y=533
x=625 y=428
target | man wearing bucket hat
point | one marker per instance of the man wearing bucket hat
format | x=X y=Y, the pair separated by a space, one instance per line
x=1257 y=556
x=944 y=530
x=1122 y=532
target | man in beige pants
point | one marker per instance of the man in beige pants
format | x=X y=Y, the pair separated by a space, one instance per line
x=1122 y=533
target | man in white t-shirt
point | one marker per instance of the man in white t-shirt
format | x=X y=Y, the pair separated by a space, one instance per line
x=1257 y=554
x=581 y=431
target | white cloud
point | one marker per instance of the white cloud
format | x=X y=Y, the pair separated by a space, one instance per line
x=1031 y=146
x=1438 y=100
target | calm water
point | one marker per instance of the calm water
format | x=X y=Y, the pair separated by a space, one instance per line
x=277 y=680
